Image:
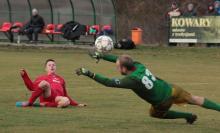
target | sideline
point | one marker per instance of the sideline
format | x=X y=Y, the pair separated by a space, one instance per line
x=42 y=45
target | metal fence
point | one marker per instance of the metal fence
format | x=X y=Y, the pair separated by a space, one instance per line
x=88 y=12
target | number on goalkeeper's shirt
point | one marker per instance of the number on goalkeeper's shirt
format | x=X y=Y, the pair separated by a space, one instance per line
x=148 y=80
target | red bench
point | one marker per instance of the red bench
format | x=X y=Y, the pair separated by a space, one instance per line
x=49 y=30
x=16 y=27
x=5 y=28
x=97 y=30
x=52 y=29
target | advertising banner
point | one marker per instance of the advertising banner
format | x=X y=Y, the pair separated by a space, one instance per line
x=195 y=29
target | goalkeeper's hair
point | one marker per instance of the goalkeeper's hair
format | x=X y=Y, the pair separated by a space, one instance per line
x=48 y=60
x=126 y=61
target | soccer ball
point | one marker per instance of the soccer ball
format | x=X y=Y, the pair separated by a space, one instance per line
x=104 y=44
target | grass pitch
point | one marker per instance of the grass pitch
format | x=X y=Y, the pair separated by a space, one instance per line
x=109 y=110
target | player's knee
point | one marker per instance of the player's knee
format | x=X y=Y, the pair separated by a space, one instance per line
x=44 y=85
x=62 y=102
x=197 y=100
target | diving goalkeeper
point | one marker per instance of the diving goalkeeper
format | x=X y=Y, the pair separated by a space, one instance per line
x=159 y=93
x=50 y=88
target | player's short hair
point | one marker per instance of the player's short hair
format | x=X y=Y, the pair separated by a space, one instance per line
x=126 y=61
x=48 y=60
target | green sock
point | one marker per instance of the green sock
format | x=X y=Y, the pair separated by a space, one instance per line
x=175 y=115
x=211 y=105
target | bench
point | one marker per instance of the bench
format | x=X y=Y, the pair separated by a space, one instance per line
x=50 y=30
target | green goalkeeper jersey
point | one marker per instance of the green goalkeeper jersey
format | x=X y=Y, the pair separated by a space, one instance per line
x=141 y=81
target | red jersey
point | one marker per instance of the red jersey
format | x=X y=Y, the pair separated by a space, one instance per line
x=57 y=85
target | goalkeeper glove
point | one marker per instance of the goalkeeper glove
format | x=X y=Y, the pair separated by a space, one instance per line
x=85 y=72
x=96 y=55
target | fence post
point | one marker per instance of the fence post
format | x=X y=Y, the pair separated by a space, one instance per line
x=73 y=11
x=94 y=12
x=9 y=11
x=51 y=11
x=115 y=21
x=30 y=7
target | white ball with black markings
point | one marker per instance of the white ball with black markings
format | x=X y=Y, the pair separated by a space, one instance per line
x=104 y=44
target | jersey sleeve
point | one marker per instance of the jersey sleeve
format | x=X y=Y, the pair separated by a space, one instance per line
x=39 y=79
x=27 y=81
x=125 y=83
x=110 y=58
x=72 y=102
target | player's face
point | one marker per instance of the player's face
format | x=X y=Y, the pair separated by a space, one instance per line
x=34 y=12
x=50 y=67
x=173 y=6
x=120 y=68
x=190 y=7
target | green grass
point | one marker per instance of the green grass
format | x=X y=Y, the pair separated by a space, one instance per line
x=109 y=110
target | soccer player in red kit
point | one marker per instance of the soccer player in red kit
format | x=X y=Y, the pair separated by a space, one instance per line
x=50 y=89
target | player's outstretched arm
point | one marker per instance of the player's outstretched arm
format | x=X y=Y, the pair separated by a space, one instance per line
x=27 y=81
x=118 y=83
x=125 y=83
x=97 y=55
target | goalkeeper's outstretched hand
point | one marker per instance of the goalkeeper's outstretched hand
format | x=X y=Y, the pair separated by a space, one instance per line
x=85 y=72
x=95 y=55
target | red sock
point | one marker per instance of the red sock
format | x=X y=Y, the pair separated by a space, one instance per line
x=35 y=95
x=51 y=104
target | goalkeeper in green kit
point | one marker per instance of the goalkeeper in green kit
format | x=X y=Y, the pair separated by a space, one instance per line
x=160 y=94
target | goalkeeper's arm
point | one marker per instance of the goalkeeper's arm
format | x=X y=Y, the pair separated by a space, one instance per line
x=125 y=83
x=119 y=83
x=96 y=55
x=110 y=58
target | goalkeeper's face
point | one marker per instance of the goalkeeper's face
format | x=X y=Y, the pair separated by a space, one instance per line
x=50 y=67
